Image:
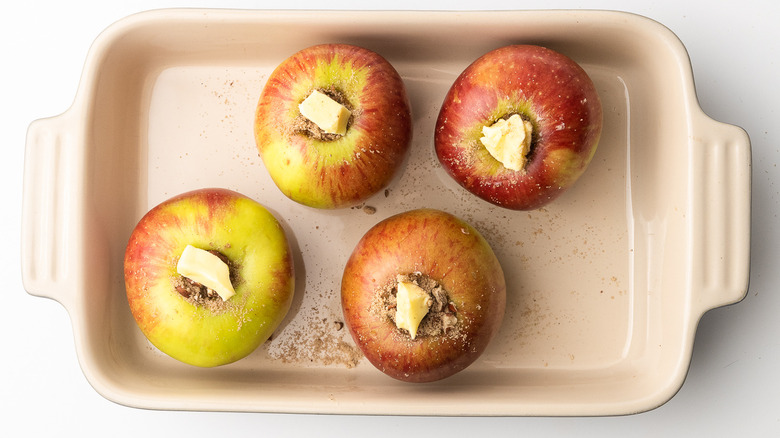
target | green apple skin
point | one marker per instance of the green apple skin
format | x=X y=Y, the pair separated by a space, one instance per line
x=346 y=171
x=445 y=248
x=544 y=86
x=241 y=229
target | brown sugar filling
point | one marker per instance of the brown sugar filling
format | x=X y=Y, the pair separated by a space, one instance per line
x=441 y=320
x=200 y=295
x=302 y=125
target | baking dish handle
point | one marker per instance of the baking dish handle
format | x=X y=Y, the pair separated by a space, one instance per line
x=720 y=213
x=52 y=189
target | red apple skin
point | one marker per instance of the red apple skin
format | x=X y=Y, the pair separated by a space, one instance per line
x=210 y=219
x=446 y=249
x=553 y=91
x=343 y=172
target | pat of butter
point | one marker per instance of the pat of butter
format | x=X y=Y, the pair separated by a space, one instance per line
x=509 y=141
x=207 y=269
x=325 y=112
x=412 y=304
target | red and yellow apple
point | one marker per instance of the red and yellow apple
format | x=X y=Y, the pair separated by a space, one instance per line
x=185 y=317
x=519 y=126
x=333 y=125
x=422 y=295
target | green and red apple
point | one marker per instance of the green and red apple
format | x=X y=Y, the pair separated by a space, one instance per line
x=422 y=295
x=209 y=276
x=333 y=125
x=519 y=126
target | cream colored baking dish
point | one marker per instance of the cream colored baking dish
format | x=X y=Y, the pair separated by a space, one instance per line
x=605 y=286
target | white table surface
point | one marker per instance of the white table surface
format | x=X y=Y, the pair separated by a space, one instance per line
x=732 y=387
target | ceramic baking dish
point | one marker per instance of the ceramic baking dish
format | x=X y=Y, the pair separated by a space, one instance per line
x=605 y=286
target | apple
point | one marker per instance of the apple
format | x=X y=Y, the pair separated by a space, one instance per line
x=183 y=317
x=526 y=161
x=463 y=292
x=363 y=138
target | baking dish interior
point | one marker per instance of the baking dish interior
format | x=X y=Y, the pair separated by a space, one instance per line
x=597 y=317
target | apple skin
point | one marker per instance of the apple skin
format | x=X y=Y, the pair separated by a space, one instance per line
x=553 y=91
x=346 y=171
x=450 y=251
x=210 y=219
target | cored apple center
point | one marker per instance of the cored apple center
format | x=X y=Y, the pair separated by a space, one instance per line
x=515 y=136
x=303 y=125
x=200 y=295
x=441 y=317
